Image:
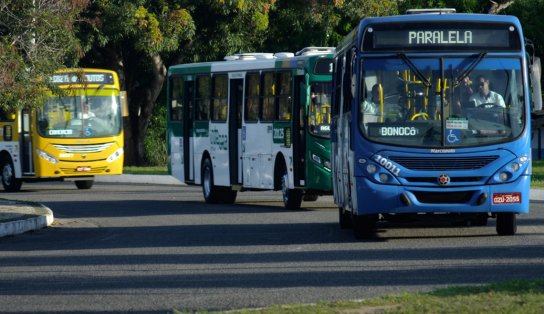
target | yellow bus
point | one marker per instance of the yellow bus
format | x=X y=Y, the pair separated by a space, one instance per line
x=75 y=135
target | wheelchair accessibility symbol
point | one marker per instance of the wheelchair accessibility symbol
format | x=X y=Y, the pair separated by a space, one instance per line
x=454 y=136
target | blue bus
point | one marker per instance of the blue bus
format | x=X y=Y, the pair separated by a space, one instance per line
x=431 y=118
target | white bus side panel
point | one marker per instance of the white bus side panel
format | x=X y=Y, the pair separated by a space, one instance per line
x=176 y=157
x=219 y=146
x=258 y=163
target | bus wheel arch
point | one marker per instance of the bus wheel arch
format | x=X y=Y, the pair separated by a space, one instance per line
x=213 y=193
x=9 y=180
x=292 y=198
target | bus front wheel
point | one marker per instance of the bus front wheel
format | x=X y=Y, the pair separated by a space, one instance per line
x=211 y=194
x=9 y=181
x=364 y=226
x=506 y=224
x=344 y=218
x=291 y=197
x=84 y=184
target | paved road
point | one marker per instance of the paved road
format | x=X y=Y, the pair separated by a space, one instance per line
x=150 y=248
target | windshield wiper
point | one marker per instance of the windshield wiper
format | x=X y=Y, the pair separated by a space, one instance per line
x=469 y=69
x=412 y=67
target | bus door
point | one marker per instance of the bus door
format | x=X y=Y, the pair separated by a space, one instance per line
x=299 y=130
x=188 y=150
x=27 y=166
x=236 y=96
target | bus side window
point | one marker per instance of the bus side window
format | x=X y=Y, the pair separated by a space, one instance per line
x=269 y=107
x=284 y=95
x=203 y=90
x=176 y=105
x=252 y=97
x=220 y=91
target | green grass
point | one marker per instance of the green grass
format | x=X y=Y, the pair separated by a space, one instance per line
x=518 y=296
x=537 y=178
x=145 y=170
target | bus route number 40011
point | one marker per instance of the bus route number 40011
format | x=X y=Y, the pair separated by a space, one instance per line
x=387 y=164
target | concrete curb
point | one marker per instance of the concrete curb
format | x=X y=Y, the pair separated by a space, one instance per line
x=139 y=179
x=42 y=218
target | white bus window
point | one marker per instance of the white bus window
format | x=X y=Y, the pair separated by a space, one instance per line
x=269 y=108
x=220 y=98
x=252 y=97
x=176 y=103
x=203 y=98
x=284 y=96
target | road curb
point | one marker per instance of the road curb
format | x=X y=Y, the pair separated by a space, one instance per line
x=43 y=217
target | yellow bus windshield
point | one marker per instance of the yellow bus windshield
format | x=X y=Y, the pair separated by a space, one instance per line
x=77 y=116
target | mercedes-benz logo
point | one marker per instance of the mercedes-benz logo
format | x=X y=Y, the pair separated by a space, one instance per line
x=443 y=179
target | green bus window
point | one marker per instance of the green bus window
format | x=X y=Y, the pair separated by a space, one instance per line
x=252 y=97
x=269 y=108
x=203 y=98
x=220 y=90
x=284 y=96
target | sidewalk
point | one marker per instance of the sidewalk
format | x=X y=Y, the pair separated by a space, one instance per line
x=19 y=217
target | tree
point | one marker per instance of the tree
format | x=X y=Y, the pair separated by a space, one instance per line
x=36 y=38
x=319 y=23
x=133 y=37
x=139 y=39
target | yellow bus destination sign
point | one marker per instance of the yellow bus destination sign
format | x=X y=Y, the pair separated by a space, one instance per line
x=82 y=78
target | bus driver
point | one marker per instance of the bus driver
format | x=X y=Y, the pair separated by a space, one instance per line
x=486 y=96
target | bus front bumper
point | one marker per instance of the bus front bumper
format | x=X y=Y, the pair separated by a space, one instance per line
x=375 y=198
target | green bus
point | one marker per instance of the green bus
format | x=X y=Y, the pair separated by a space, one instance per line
x=255 y=121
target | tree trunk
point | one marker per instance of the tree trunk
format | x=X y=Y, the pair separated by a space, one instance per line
x=141 y=102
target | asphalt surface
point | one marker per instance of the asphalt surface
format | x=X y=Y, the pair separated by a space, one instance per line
x=19 y=217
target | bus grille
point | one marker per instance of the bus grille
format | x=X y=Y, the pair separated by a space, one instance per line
x=84 y=148
x=445 y=163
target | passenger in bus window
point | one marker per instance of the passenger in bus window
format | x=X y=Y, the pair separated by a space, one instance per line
x=86 y=112
x=485 y=96
x=464 y=92
x=371 y=105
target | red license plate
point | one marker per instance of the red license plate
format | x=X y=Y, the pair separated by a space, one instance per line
x=506 y=198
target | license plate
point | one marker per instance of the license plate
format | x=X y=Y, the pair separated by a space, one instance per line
x=506 y=198
x=82 y=169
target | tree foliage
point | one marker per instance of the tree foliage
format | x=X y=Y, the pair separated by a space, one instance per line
x=36 y=38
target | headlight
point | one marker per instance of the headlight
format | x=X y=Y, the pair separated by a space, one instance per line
x=118 y=153
x=371 y=168
x=46 y=156
x=316 y=158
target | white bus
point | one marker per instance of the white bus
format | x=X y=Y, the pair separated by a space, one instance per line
x=256 y=121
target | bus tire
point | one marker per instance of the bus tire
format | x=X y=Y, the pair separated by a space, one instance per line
x=209 y=190
x=9 y=181
x=292 y=198
x=364 y=226
x=506 y=224
x=344 y=218
x=228 y=196
x=84 y=184
x=310 y=197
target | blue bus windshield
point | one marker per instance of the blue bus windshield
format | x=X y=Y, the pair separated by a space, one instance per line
x=441 y=102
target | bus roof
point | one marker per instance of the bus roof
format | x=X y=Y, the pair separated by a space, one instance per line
x=256 y=61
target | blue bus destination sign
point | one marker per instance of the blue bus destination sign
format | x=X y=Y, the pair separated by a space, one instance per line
x=411 y=36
